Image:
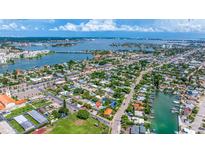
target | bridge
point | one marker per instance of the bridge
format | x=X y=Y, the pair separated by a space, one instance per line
x=74 y=52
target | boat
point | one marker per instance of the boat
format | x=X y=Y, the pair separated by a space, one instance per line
x=176 y=102
x=174 y=111
x=174 y=108
x=151 y=117
x=177 y=106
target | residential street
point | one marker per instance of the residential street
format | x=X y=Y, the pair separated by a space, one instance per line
x=200 y=115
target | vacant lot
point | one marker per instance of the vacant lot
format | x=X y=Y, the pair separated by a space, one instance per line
x=73 y=125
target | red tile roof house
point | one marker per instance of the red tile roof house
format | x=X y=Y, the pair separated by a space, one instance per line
x=98 y=104
x=108 y=112
x=7 y=102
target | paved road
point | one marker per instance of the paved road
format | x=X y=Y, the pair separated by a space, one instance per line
x=200 y=115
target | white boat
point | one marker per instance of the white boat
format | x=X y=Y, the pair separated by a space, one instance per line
x=174 y=111
x=176 y=102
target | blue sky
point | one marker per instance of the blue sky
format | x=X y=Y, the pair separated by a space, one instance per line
x=101 y=28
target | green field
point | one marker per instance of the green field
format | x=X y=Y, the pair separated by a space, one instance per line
x=73 y=125
x=16 y=126
x=19 y=111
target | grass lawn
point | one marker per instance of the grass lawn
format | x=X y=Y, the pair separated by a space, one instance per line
x=31 y=119
x=19 y=111
x=16 y=126
x=41 y=103
x=73 y=125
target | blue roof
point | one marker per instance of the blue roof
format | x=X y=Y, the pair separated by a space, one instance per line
x=38 y=117
x=113 y=104
x=25 y=123
x=134 y=129
x=142 y=129
x=104 y=99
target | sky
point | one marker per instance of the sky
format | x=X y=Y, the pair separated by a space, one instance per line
x=185 y=28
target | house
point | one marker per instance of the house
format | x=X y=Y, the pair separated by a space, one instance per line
x=139 y=113
x=187 y=111
x=38 y=117
x=8 y=102
x=138 y=106
x=113 y=104
x=142 y=129
x=134 y=129
x=98 y=104
x=108 y=112
x=36 y=79
x=141 y=98
x=103 y=100
x=25 y=123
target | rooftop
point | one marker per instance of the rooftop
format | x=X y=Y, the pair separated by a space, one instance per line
x=6 y=100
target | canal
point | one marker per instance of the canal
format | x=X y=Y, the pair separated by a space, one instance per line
x=164 y=122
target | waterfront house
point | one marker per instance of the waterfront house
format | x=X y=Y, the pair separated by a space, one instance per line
x=138 y=106
x=135 y=129
x=140 y=98
x=142 y=129
x=138 y=113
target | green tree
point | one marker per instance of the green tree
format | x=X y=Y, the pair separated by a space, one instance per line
x=83 y=114
x=63 y=110
x=125 y=121
x=56 y=114
x=71 y=63
x=143 y=64
x=156 y=79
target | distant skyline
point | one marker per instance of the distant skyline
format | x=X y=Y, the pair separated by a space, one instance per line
x=182 y=29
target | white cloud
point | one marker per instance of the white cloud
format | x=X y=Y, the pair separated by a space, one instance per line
x=23 y=28
x=36 y=28
x=69 y=26
x=91 y=25
x=106 y=25
x=157 y=26
x=182 y=25
x=102 y=25
x=99 y=25
x=12 y=26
